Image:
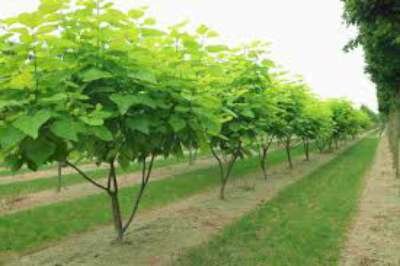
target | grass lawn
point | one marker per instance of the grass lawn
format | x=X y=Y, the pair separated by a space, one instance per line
x=32 y=228
x=304 y=225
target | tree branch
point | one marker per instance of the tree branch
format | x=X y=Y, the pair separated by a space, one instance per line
x=85 y=176
x=145 y=179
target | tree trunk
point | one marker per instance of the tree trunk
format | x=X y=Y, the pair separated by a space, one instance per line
x=224 y=173
x=263 y=162
x=394 y=135
x=191 y=156
x=59 y=177
x=117 y=216
x=288 y=152
x=307 y=149
x=222 y=190
x=146 y=172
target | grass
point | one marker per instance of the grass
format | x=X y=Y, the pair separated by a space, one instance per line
x=21 y=188
x=304 y=225
x=35 y=227
x=8 y=172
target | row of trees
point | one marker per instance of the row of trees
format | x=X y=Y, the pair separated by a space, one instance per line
x=83 y=77
x=378 y=23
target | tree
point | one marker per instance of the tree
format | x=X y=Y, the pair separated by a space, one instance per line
x=241 y=84
x=378 y=23
x=291 y=101
x=342 y=111
x=99 y=91
x=314 y=124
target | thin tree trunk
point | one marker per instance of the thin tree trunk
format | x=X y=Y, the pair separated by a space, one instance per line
x=307 y=149
x=191 y=161
x=146 y=172
x=263 y=163
x=192 y=156
x=112 y=191
x=263 y=153
x=227 y=176
x=59 y=177
x=117 y=216
x=288 y=152
x=224 y=173
x=222 y=190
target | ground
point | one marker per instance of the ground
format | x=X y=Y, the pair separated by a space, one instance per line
x=84 y=189
x=168 y=231
x=374 y=238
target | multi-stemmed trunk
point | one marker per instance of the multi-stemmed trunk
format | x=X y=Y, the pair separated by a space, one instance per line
x=263 y=154
x=112 y=190
x=225 y=166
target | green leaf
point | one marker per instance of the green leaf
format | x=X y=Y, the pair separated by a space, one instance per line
x=11 y=103
x=96 y=118
x=67 y=129
x=94 y=74
x=147 y=100
x=102 y=133
x=248 y=113
x=140 y=124
x=217 y=48
x=92 y=121
x=124 y=102
x=38 y=151
x=56 y=98
x=30 y=125
x=177 y=123
x=150 y=21
x=143 y=75
x=202 y=29
x=136 y=13
x=149 y=32
x=10 y=136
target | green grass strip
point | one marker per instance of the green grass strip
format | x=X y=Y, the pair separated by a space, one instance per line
x=21 y=188
x=31 y=228
x=304 y=225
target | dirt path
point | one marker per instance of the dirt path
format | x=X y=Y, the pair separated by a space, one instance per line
x=84 y=189
x=158 y=236
x=374 y=238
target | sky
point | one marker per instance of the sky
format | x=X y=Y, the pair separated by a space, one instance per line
x=306 y=37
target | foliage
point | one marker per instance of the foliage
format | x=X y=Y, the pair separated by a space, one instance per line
x=378 y=23
x=82 y=77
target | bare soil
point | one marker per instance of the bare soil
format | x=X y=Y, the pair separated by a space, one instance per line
x=84 y=189
x=374 y=238
x=161 y=235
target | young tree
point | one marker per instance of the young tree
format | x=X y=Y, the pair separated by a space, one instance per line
x=310 y=124
x=291 y=101
x=342 y=111
x=242 y=88
x=100 y=91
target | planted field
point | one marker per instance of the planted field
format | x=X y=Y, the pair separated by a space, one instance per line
x=128 y=142
x=305 y=224
x=30 y=228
